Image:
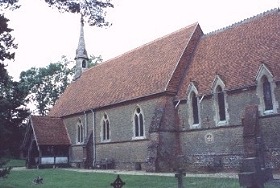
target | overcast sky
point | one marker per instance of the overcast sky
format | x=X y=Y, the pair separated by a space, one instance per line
x=44 y=35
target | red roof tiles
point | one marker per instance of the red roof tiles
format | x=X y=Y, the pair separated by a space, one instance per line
x=236 y=53
x=49 y=131
x=145 y=71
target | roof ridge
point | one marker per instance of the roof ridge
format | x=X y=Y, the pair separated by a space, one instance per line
x=265 y=13
x=49 y=117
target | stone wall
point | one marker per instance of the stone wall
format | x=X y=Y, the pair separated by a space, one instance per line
x=212 y=145
x=125 y=154
x=270 y=129
x=122 y=147
x=206 y=148
x=76 y=154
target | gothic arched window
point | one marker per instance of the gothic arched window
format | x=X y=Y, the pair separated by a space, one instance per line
x=193 y=108
x=267 y=97
x=80 y=132
x=138 y=123
x=194 y=103
x=221 y=103
x=105 y=128
x=268 y=103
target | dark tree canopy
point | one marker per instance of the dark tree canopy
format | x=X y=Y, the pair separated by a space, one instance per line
x=6 y=40
x=93 y=10
x=12 y=113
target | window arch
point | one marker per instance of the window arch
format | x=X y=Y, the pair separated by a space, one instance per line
x=265 y=91
x=267 y=96
x=220 y=103
x=193 y=107
x=80 y=131
x=138 y=121
x=105 y=128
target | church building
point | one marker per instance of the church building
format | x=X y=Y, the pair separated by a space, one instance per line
x=178 y=101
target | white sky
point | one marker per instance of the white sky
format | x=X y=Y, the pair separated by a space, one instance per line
x=44 y=35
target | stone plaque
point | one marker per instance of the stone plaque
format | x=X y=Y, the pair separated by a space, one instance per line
x=209 y=138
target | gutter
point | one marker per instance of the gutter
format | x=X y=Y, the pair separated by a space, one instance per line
x=94 y=138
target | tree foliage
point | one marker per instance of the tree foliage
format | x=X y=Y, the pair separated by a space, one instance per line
x=7 y=44
x=94 y=60
x=93 y=10
x=9 y=4
x=12 y=113
x=44 y=85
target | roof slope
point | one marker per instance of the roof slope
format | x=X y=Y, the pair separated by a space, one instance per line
x=49 y=131
x=141 y=72
x=235 y=54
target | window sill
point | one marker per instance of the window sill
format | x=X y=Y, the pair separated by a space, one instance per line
x=79 y=143
x=139 y=138
x=222 y=123
x=268 y=112
x=105 y=141
x=195 y=126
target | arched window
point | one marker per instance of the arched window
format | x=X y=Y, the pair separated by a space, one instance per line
x=80 y=132
x=105 y=128
x=138 y=123
x=266 y=91
x=221 y=116
x=84 y=64
x=194 y=108
x=221 y=103
x=267 y=97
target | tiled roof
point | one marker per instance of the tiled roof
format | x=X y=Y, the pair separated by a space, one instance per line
x=144 y=71
x=235 y=54
x=49 y=131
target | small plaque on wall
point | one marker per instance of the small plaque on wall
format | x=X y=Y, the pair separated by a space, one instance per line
x=209 y=138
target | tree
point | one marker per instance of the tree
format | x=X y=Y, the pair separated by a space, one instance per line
x=93 y=10
x=12 y=113
x=45 y=85
x=12 y=108
x=94 y=60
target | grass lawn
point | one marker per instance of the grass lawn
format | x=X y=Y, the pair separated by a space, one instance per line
x=14 y=162
x=62 y=178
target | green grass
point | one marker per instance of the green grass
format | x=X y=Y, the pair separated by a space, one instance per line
x=14 y=162
x=62 y=178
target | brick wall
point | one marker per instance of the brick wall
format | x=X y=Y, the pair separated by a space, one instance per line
x=122 y=147
x=76 y=150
